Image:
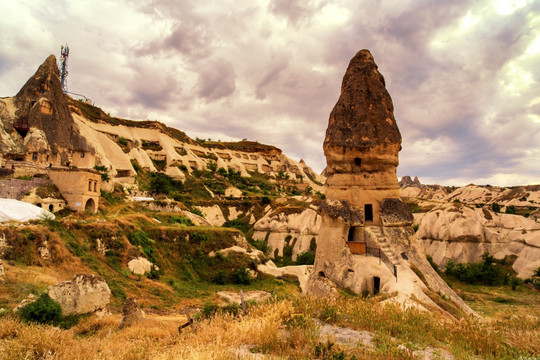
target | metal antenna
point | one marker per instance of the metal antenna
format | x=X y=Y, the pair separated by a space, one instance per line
x=64 y=53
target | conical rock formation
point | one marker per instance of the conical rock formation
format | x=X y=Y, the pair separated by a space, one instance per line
x=366 y=241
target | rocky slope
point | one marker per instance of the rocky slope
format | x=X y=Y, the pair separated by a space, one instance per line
x=45 y=127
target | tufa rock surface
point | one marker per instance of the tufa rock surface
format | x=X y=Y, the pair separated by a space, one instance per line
x=81 y=295
x=366 y=241
x=131 y=313
x=42 y=104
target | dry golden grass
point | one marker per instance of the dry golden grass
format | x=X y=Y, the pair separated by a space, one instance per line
x=279 y=329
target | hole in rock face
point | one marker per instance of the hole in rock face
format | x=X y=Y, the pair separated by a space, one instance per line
x=368 y=212
x=321 y=274
x=350 y=270
x=376 y=285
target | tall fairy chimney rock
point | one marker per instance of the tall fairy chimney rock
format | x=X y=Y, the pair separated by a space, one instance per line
x=366 y=241
x=362 y=140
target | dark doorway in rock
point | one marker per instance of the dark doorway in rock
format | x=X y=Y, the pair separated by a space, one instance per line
x=51 y=207
x=368 y=212
x=90 y=206
x=350 y=237
x=376 y=285
x=321 y=274
x=357 y=164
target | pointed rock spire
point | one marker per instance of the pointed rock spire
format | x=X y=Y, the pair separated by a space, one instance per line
x=42 y=104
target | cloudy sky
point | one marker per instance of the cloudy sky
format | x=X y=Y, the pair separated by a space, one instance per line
x=464 y=75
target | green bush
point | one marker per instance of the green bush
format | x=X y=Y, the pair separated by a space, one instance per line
x=211 y=165
x=196 y=211
x=43 y=311
x=265 y=200
x=495 y=207
x=239 y=224
x=305 y=258
x=241 y=276
x=510 y=210
x=180 y=220
x=122 y=141
x=485 y=272
x=140 y=239
x=261 y=245
x=104 y=172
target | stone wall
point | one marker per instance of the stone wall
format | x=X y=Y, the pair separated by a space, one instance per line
x=15 y=188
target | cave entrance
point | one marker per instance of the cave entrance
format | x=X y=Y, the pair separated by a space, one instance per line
x=376 y=285
x=368 y=212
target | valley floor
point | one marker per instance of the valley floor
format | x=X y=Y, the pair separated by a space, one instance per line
x=293 y=327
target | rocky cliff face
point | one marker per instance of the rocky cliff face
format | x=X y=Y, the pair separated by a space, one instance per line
x=43 y=126
x=463 y=234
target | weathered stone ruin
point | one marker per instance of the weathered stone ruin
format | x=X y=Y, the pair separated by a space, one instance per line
x=366 y=241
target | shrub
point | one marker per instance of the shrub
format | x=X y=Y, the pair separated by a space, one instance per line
x=484 y=272
x=241 y=276
x=261 y=245
x=104 y=172
x=415 y=227
x=239 y=224
x=495 y=207
x=510 y=210
x=433 y=265
x=43 y=311
x=140 y=239
x=196 y=211
x=305 y=258
x=220 y=278
x=211 y=165
x=265 y=200
x=180 y=220
x=182 y=167
x=122 y=141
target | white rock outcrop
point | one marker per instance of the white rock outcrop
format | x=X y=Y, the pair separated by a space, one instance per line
x=213 y=214
x=463 y=234
x=301 y=272
x=140 y=266
x=81 y=295
x=277 y=227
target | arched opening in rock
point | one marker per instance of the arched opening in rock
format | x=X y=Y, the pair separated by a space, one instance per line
x=90 y=206
x=376 y=285
x=51 y=207
x=321 y=274
x=368 y=212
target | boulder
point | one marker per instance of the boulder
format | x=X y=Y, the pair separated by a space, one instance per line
x=131 y=313
x=300 y=272
x=234 y=297
x=140 y=266
x=30 y=299
x=81 y=295
x=252 y=253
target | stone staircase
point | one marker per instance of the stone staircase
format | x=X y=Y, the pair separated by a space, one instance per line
x=388 y=254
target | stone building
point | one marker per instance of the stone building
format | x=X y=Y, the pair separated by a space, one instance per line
x=366 y=241
x=80 y=187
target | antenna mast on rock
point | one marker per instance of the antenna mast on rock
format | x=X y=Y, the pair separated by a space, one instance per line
x=64 y=53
